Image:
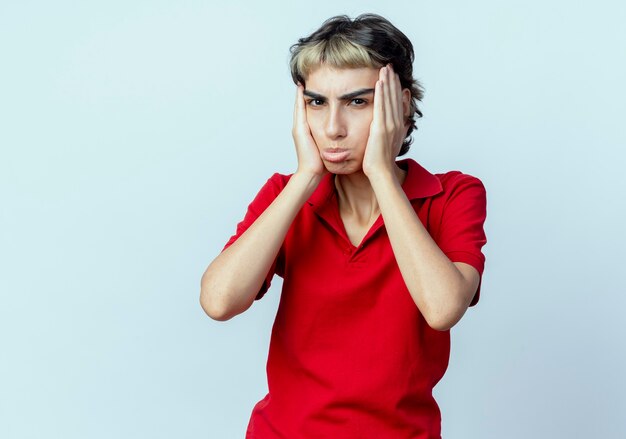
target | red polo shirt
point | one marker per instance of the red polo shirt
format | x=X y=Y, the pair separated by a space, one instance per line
x=350 y=354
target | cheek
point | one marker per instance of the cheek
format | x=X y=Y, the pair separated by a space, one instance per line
x=363 y=118
x=315 y=124
x=363 y=128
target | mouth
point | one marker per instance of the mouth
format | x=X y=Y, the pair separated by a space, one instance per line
x=335 y=155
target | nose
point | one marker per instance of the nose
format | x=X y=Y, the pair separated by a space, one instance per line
x=335 y=123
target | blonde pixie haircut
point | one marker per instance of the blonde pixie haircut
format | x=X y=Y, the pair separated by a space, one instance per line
x=367 y=41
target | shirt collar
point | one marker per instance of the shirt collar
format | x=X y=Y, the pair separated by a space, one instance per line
x=419 y=183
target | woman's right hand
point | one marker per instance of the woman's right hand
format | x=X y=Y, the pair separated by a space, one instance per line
x=309 y=160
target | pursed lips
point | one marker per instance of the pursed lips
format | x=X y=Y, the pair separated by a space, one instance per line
x=335 y=155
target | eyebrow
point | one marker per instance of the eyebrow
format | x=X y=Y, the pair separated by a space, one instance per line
x=345 y=97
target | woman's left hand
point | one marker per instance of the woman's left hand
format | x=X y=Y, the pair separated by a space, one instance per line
x=389 y=127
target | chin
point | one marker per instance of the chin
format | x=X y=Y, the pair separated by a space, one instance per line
x=343 y=168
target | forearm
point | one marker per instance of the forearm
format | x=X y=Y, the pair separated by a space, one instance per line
x=232 y=281
x=437 y=287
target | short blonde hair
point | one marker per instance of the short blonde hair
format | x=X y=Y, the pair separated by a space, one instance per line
x=338 y=53
x=367 y=41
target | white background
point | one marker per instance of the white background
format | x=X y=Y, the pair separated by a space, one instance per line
x=134 y=134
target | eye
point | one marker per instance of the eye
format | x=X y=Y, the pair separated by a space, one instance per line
x=359 y=102
x=315 y=102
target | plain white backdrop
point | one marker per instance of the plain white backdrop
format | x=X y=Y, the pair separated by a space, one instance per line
x=134 y=134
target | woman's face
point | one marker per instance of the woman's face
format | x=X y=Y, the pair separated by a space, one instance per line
x=339 y=109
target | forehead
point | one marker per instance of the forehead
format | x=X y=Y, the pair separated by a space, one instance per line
x=330 y=81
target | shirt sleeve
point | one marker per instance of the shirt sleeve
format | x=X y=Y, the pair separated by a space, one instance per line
x=462 y=233
x=263 y=199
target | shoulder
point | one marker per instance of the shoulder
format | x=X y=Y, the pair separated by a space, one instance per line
x=267 y=194
x=453 y=179
x=463 y=199
x=278 y=180
x=273 y=186
x=422 y=184
x=456 y=183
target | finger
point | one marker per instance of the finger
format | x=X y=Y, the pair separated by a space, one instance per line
x=393 y=92
x=379 y=100
x=300 y=100
x=398 y=104
x=389 y=92
x=296 y=103
x=300 y=109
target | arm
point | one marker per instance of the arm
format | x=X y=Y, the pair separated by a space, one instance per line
x=441 y=289
x=232 y=281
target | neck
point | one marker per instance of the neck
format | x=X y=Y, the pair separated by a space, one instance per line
x=356 y=195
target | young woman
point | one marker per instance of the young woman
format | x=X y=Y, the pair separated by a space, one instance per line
x=379 y=257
